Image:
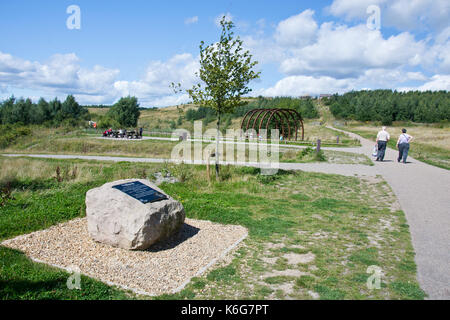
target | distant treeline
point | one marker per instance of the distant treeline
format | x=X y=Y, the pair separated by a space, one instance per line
x=25 y=112
x=306 y=108
x=98 y=106
x=388 y=106
x=104 y=106
x=124 y=113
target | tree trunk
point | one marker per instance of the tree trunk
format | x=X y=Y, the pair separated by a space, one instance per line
x=217 y=147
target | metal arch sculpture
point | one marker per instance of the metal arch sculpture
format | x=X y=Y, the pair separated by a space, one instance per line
x=282 y=117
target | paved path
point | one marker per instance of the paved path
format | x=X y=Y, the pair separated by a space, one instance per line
x=422 y=190
x=424 y=195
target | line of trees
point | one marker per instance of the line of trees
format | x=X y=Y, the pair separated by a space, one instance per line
x=306 y=108
x=25 y=112
x=124 y=113
x=388 y=106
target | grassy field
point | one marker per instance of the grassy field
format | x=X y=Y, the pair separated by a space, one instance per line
x=431 y=142
x=168 y=118
x=81 y=142
x=310 y=235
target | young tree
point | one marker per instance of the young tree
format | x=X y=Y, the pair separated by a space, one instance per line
x=125 y=111
x=225 y=71
x=70 y=108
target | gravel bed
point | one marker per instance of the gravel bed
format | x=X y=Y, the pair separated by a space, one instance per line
x=165 y=267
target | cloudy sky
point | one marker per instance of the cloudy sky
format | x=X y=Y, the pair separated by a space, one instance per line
x=139 y=47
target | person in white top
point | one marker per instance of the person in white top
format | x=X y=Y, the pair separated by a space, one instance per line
x=403 y=146
x=382 y=139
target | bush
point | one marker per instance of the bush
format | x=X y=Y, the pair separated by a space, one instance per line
x=181 y=171
x=107 y=122
x=9 y=134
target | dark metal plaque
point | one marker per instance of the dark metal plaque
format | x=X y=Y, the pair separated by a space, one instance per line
x=140 y=192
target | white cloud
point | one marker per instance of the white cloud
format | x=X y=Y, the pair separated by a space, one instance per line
x=351 y=9
x=307 y=85
x=342 y=51
x=437 y=56
x=298 y=30
x=154 y=87
x=401 y=14
x=62 y=75
x=437 y=82
x=418 y=14
x=191 y=20
x=300 y=47
x=370 y=79
x=313 y=59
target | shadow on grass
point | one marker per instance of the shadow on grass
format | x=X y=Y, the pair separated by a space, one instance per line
x=28 y=184
x=14 y=289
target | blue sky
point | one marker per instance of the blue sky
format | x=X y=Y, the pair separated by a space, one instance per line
x=139 y=47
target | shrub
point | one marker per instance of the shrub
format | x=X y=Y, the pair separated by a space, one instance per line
x=9 y=134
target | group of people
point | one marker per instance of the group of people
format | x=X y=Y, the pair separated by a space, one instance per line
x=122 y=133
x=402 y=144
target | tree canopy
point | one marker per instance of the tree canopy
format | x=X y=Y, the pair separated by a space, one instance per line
x=24 y=111
x=225 y=71
x=125 y=111
x=388 y=106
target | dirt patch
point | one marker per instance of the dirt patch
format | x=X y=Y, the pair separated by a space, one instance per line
x=269 y=260
x=287 y=273
x=271 y=245
x=295 y=258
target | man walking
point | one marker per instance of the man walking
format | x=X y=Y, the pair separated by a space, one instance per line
x=382 y=139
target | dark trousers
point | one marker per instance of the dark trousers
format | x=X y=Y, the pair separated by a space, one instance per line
x=403 y=149
x=381 y=150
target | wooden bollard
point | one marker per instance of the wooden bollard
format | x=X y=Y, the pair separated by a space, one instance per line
x=318 y=146
x=207 y=169
x=337 y=139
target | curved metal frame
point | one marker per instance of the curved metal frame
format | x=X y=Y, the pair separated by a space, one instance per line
x=281 y=116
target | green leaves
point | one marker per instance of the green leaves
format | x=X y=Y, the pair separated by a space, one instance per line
x=225 y=71
x=24 y=111
x=388 y=106
x=125 y=112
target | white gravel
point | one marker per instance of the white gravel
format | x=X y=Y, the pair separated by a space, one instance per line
x=163 y=268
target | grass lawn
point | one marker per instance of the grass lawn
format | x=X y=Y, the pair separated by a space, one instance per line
x=163 y=120
x=431 y=142
x=64 y=141
x=310 y=235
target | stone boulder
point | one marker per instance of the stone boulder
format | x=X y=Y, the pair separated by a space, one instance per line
x=117 y=219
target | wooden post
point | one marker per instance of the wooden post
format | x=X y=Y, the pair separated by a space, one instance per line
x=318 y=146
x=337 y=140
x=208 y=174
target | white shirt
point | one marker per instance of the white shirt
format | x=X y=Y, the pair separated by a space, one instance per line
x=404 y=138
x=383 y=136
